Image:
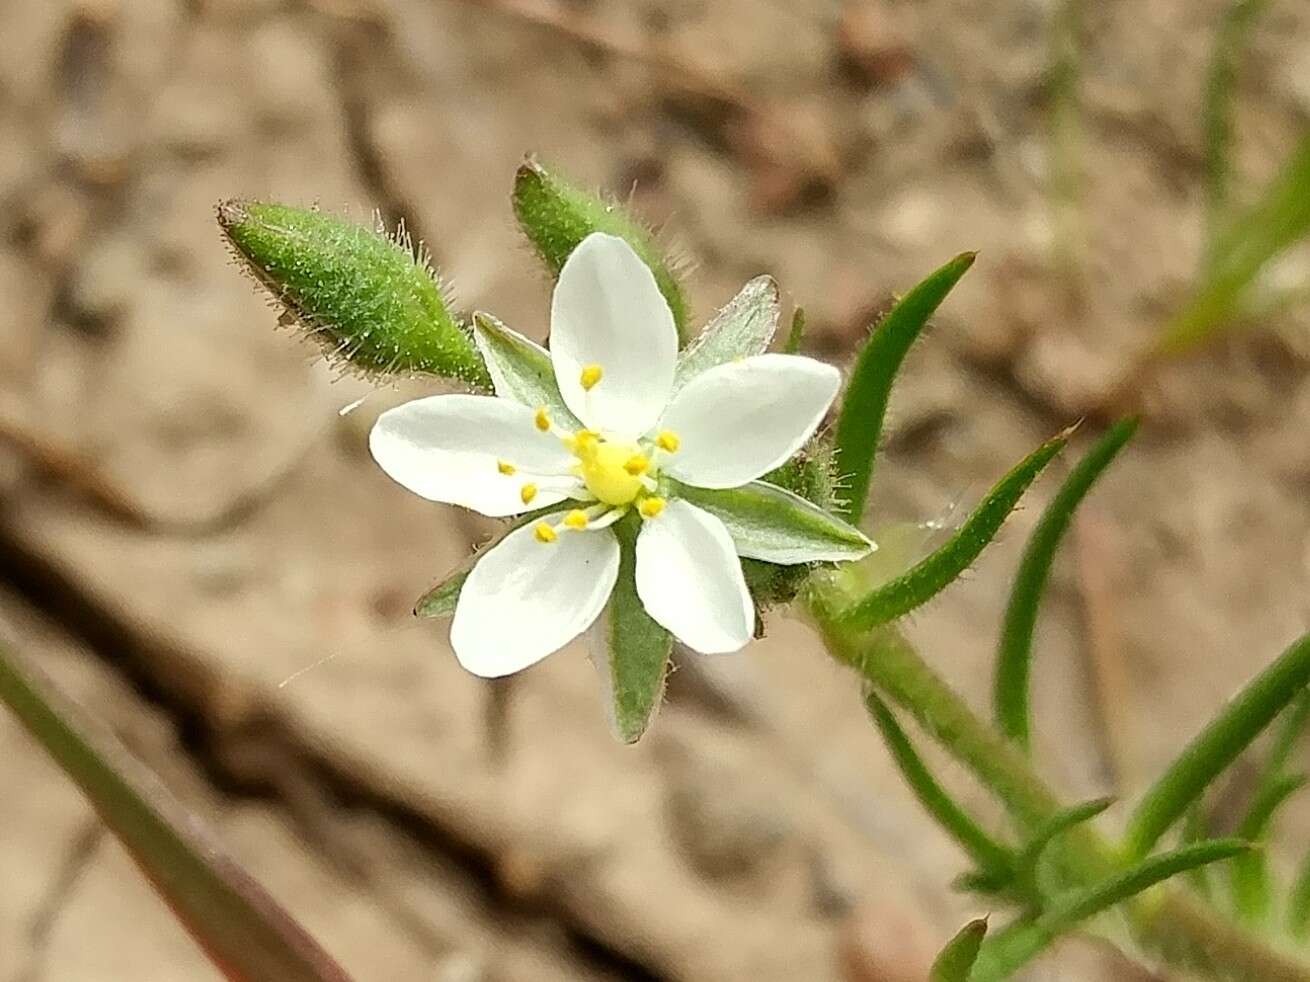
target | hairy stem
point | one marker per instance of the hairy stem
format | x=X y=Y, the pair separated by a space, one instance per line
x=1177 y=926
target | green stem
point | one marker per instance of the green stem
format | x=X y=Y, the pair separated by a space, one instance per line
x=1188 y=933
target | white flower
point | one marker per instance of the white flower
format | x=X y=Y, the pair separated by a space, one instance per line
x=622 y=420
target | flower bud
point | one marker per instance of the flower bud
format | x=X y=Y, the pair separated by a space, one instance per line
x=556 y=216
x=370 y=300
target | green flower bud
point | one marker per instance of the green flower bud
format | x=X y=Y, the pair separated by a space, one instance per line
x=371 y=301
x=556 y=216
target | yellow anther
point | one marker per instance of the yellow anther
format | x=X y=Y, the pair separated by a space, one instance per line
x=577 y=519
x=544 y=533
x=542 y=420
x=583 y=443
x=527 y=493
x=651 y=507
x=591 y=374
x=505 y=467
x=668 y=440
x=637 y=464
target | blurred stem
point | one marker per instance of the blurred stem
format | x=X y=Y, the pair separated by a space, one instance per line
x=1180 y=928
x=1066 y=145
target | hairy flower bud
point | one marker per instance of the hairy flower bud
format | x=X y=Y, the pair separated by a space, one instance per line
x=372 y=301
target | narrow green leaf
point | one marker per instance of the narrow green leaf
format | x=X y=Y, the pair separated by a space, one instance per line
x=1012 y=948
x=1218 y=745
x=1293 y=725
x=1277 y=221
x=770 y=523
x=957 y=958
x=741 y=329
x=372 y=302
x=239 y=926
x=1249 y=875
x=1014 y=652
x=1196 y=829
x=1298 y=903
x=859 y=425
x=934 y=573
x=996 y=860
x=1059 y=823
x=520 y=368
x=1220 y=83
x=1250 y=879
x=633 y=653
x=797 y=333
x=556 y=217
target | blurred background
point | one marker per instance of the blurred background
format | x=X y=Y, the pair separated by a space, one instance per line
x=195 y=544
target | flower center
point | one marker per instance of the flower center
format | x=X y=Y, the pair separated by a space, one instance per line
x=611 y=471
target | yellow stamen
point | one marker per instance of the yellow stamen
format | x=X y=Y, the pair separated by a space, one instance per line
x=583 y=443
x=505 y=467
x=542 y=420
x=544 y=533
x=527 y=493
x=651 y=507
x=668 y=440
x=591 y=374
x=577 y=519
x=637 y=464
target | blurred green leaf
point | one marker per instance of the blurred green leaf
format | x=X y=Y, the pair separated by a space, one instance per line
x=520 y=369
x=997 y=861
x=1008 y=951
x=1221 y=79
x=1249 y=874
x=860 y=422
x=934 y=573
x=797 y=333
x=556 y=217
x=629 y=648
x=1195 y=829
x=741 y=329
x=1217 y=746
x=1298 y=903
x=1014 y=652
x=957 y=958
x=239 y=926
x=1273 y=224
x=1054 y=827
x=372 y=302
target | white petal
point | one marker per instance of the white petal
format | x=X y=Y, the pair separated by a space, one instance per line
x=608 y=311
x=526 y=599
x=447 y=448
x=738 y=421
x=689 y=580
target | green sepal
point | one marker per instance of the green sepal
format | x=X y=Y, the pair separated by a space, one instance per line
x=556 y=217
x=741 y=329
x=371 y=301
x=631 y=651
x=440 y=601
x=520 y=369
x=778 y=526
x=956 y=960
